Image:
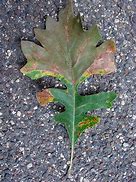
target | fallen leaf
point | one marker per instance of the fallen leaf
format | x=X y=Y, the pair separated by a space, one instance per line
x=70 y=54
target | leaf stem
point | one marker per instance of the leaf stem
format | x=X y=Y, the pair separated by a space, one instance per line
x=71 y=160
x=73 y=133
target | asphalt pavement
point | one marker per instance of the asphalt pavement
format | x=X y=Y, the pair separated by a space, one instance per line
x=32 y=147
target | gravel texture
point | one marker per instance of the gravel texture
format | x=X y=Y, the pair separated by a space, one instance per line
x=32 y=147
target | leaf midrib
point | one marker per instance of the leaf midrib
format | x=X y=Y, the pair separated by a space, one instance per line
x=73 y=126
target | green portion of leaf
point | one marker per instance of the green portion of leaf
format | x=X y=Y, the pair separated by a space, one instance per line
x=84 y=123
x=76 y=106
x=96 y=101
x=36 y=74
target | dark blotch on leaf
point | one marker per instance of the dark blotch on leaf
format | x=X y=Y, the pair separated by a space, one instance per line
x=99 y=43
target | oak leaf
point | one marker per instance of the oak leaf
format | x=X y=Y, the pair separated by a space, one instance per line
x=70 y=54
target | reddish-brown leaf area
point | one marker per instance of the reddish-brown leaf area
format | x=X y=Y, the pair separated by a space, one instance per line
x=104 y=62
x=87 y=121
x=44 y=97
x=84 y=122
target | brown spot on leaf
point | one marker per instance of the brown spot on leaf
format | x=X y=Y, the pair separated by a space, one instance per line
x=44 y=97
x=87 y=121
x=111 y=46
x=94 y=119
x=78 y=133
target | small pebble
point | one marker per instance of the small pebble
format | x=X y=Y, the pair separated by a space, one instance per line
x=81 y=179
x=60 y=137
x=30 y=165
x=123 y=103
x=125 y=145
x=86 y=180
x=134 y=164
x=18 y=113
